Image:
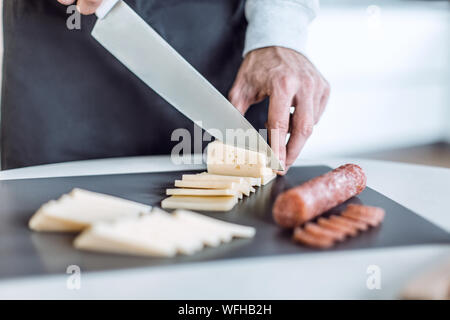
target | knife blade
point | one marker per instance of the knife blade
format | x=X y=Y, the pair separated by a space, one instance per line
x=144 y=52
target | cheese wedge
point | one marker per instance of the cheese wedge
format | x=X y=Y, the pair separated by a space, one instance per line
x=107 y=200
x=185 y=241
x=79 y=209
x=208 y=236
x=160 y=234
x=44 y=223
x=199 y=203
x=193 y=218
x=138 y=236
x=203 y=192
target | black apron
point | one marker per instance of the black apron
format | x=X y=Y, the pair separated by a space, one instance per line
x=65 y=98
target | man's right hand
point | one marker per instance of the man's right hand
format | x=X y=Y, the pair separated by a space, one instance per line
x=84 y=6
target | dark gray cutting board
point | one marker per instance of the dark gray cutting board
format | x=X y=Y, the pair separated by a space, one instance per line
x=26 y=253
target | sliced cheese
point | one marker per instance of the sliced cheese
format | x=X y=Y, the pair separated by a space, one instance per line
x=186 y=242
x=243 y=187
x=203 y=192
x=107 y=200
x=160 y=234
x=245 y=184
x=85 y=213
x=44 y=223
x=236 y=230
x=239 y=184
x=199 y=203
x=209 y=237
x=254 y=182
x=205 y=184
x=127 y=236
x=80 y=208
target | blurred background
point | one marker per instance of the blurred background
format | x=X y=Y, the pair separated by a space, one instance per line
x=388 y=65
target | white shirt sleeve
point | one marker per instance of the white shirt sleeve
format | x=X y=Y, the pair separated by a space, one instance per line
x=282 y=23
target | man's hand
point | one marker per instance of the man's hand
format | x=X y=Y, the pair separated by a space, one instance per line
x=84 y=6
x=289 y=79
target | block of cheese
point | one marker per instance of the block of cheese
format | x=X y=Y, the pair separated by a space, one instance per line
x=265 y=179
x=80 y=208
x=199 y=203
x=254 y=182
x=221 y=153
x=237 y=170
x=232 y=161
x=234 y=170
x=203 y=192
x=160 y=234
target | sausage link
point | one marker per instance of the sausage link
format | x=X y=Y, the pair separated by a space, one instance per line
x=316 y=196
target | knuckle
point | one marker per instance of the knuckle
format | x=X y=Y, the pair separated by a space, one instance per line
x=232 y=95
x=307 y=128
x=287 y=83
x=308 y=83
x=278 y=124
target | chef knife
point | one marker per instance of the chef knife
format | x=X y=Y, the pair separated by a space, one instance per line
x=139 y=47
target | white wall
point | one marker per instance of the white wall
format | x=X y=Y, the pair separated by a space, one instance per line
x=389 y=71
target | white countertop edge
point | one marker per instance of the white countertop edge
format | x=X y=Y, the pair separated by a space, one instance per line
x=258 y=278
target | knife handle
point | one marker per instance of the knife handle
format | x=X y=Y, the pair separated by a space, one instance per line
x=105 y=8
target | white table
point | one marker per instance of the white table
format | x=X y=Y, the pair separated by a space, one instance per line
x=341 y=275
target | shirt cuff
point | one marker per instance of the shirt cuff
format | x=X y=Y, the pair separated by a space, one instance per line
x=282 y=23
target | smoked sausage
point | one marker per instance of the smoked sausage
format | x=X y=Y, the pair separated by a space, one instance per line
x=314 y=197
